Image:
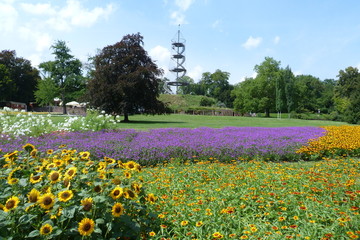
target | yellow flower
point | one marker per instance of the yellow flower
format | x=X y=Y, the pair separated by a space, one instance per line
x=116 y=193
x=152 y=234
x=87 y=204
x=84 y=155
x=33 y=195
x=36 y=178
x=46 y=200
x=218 y=235
x=136 y=187
x=46 y=229
x=151 y=198
x=28 y=147
x=199 y=224
x=65 y=196
x=54 y=176
x=184 y=223
x=86 y=227
x=129 y=194
x=11 y=203
x=12 y=181
x=131 y=165
x=127 y=174
x=49 y=151
x=117 y=210
x=71 y=172
x=33 y=153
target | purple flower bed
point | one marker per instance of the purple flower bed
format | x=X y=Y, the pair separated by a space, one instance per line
x=162 y=144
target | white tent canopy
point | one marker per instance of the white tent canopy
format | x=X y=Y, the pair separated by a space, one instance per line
x=73 y=103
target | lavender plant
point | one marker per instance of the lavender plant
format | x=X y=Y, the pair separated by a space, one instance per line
x=158 y=145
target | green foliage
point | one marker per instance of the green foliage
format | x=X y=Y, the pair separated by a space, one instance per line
x=347 y=93
x=66 y=76
x=125 y=79
x=206 y=101
x=18 y=78
x=71 y=196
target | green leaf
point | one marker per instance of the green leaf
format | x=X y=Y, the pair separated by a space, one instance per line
x=69 y=212
x=98 y=230
x=34 y=233
x=23 y=182
x=99 y=221
x=25 y=219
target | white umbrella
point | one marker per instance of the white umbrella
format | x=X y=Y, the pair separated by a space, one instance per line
x=73 y=103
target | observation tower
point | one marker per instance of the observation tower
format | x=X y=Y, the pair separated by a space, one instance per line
x=178 y=48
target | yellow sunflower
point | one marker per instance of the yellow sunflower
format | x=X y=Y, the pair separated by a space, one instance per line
x=116 y=193
x=11 y=203
x=136 y=187
x=116 y=180
x=127 y=174
x=87 y=204
x=36 y=178
x=131 y=165
x=54 y=176
x=46 y=229
x=151 y=198
x=66 y=195
x=84 y=155
x=12 y=181
x=86 y=227
x=51 y=165
x=97 y=188
x=33 y=153
x=129 y=194
x=46 y=200
x=28 y=147
x=33 y=195
x=71 y=172
x=117 y=210
x=49 y=151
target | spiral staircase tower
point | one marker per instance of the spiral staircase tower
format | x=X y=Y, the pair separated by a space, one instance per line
x=178 y=47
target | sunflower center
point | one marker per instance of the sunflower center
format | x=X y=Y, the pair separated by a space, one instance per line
x=46 y=230
x=87 y=206
x=65 y=195
x=116 y=192
x=118 y=209
x=33 y=198
x=47 y=200
x=71 y=172
x=54 y=176
x=87 y=227
x=36 y=177
x=10 y=204
x=97 y=189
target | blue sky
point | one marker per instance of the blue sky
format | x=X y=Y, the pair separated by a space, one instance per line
x=316 y=37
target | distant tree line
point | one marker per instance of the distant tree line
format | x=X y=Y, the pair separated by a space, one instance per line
x=123 y=79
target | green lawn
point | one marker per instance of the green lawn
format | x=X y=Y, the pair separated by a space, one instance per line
x=194 y=121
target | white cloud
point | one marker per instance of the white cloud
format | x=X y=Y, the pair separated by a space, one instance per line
x=297 y=73
x=184 y=4
x=73 y=14
x=252 y=42
x=38 y=9
x=276 y=40
x=178 y=18
x=160 y=54
x=8 y=16
x=196 y=72
x=42 y=40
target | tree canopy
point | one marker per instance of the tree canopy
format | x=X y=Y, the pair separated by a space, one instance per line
x=62 y=77
x=125 y=79
x=18 y=78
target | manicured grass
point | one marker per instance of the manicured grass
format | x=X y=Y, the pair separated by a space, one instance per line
x=194 y=121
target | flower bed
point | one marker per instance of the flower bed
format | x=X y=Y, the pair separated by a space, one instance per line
x=158 y=145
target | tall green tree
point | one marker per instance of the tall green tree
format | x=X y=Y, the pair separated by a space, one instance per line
x=18 y=78
x=125 y=79
x=347 y=94
x=289 y=79
x=65 y=72
x=268 y=73
x=308 y=92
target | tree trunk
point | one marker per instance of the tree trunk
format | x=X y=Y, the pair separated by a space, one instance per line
x=126 y=118
x=267 y=113
x=64 y=104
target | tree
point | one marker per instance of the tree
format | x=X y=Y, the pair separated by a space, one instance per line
x=47 y=91
x=7 y=86
x=347 y=94
x=288 y=77
x=308 y=92
x=268 y=73
x=164 y=88
x=125 y=79
x=65 y=72
x=18 y=78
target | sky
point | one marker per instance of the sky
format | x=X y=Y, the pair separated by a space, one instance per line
x=312 y=37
